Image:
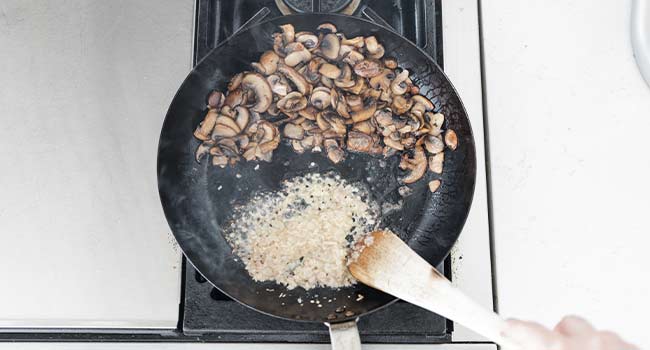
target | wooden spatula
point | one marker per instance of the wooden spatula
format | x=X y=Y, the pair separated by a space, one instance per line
x=388 y=264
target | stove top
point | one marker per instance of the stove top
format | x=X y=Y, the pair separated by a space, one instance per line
x=210 y=315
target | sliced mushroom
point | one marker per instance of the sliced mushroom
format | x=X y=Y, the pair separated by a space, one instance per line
x=344 y=84
x=293 y=102
x=346 y=73
x=229 y=122
x=434 y=185
x=296 y=78
x=382 y=80
x=223 y=130
x=242 y=116
x=365 y=127
x=204 y=130
x=215 y=99
x=400 y=105
x=329 y=70
x=308 y=113
x=379 y=53
x=202 y=150
x=297 y=57
x=369 y=108
x=307 y=39
x=367 y=68
x=288 y=33
x=342 y=106
x=297 y=146
x=398 y=86
x=220 y=160
x=436 y=161
x=320 y=97
x=390 y=63
x=293 y=131
x=371 y=44
x=261 y=90
x=279 y=85
x=334 y=152
x=436 y=120
x=355 y=102
x=384 y=117
x=326 y=28
x=393 y=143
x=433 y=144
x=419 y=99
x=451 y=140
x=356 y=42
x=235 y=81
x=344 y=50
x=273 y=109
x=417 y=165
x=268 y=63
x=359 y=141
x=327 y=81
x=311 y=73
x=330 y=46
x=353 y=57
x=278 y=44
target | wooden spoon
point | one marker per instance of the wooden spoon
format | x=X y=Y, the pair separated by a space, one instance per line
x=386 y=263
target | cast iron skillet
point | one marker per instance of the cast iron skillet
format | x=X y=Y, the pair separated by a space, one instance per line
x=197 y=198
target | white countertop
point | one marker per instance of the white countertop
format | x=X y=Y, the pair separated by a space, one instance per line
x=569 y=119
x=85 y=243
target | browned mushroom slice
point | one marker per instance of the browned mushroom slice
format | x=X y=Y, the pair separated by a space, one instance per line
x=228 y=147
x=227 y=121
x=273 y=109
x=235 y=98
x=243 y=141
x=278 y=44
x=428 y=105
x=311 y=73
x=268 y=63
x=416 y=165
x=293 y=131
x=204 y=130
x=330 y=46
x=327 y=82
x=436 y=161
x=358 y=86
x=249 y=154
x=334 y=152
x=399 y=86
x=235 y=81
x=308 y=113
x=356 y=42
x=353 y=57
x=379 y=53
x=242 y=116
x=288 y=33
x=371 y=93
x=220 y=160
x=369 y=108
x=222 y=130
x=371 y=44
x=396 y=144
x=365 y=127
x=390 y=63
x=434 y=123
x=329 y=70
x=202 y=150
x=344 y=84
x=408 y=141
x=346 y=72
x=359 y=142
x=382 y=80
x=355 y=102
x=260 y=89
x=367 y=68
x=384 y=117
x=296 y=78
x=297 y=57
x=320 y=97
x=400 y=105
x=326 y=28
x=342 y=106
x=344 y=50
x=433 y=144
x=307 y=39
x=451 y=140
x=215 y=99
x=297 y=146
x=293 y=102
x=279 y=86
x=434 y=185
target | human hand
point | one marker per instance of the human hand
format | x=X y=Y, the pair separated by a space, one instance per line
x=572 y=333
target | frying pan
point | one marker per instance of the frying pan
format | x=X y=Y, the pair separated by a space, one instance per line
x=198 y=199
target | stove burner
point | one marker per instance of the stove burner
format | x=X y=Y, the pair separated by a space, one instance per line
x=304 y=6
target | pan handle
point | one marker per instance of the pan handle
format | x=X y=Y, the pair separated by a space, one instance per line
x=344 y=335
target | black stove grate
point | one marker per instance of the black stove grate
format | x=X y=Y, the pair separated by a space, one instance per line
x=209 y=315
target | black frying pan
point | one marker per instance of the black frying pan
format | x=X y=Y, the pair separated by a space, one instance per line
x=196 y=209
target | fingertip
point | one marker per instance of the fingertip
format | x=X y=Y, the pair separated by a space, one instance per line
x=573 y=325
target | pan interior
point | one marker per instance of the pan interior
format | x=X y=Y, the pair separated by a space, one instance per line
x=199 y=198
